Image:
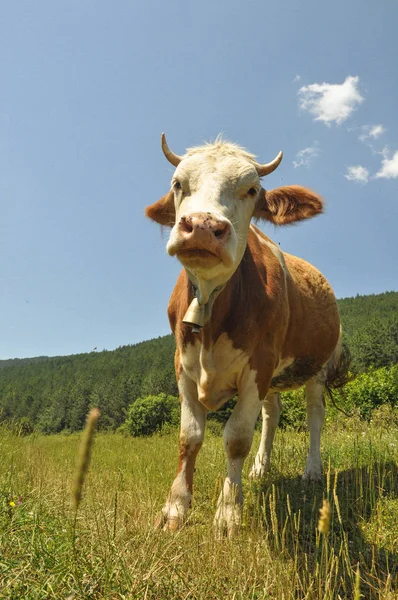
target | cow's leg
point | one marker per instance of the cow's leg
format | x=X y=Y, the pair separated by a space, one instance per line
x=193 y=417
x=271 y=411
x=315 y=418
x=238 y=436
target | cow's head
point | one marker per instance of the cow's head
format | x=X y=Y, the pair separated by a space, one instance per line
x=215 y=191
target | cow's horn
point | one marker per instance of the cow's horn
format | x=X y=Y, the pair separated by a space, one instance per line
x=174 y=159
x=269 y=167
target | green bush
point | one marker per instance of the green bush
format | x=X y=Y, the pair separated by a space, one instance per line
x=294 y=412
x=148 y=415
x=362 y=396
x=371 y=390
x=385 y=417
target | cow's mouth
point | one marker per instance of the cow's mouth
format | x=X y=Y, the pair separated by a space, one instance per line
x=198 y=256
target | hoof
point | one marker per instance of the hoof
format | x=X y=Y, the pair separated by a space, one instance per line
x=259 y=469
x=258 y=472
x=313 y=470
x=168 y=522
x=227 y=521
x=312 y=476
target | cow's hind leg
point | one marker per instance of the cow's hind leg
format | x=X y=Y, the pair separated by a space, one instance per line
x=193 y=417
x=271 y=411
x=314 y=391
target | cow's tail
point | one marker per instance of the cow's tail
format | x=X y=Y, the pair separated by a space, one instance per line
x=338 y=371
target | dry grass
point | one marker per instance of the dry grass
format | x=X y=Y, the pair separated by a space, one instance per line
x=113 y=552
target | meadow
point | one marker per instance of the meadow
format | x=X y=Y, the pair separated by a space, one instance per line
x=108 y=547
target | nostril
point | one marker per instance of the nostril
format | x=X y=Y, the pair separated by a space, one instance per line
x=186 y=225
x=221 y=230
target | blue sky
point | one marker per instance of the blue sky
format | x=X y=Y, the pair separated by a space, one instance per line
x=87 y=87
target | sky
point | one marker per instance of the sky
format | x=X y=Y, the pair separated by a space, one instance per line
x=87 y=87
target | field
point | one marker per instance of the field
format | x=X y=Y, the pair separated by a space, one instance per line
x=109 y=549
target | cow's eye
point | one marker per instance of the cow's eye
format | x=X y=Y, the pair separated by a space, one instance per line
x=177 y=185
x=252 y=192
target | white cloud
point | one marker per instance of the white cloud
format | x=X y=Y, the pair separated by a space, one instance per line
x=376 y=131
x=305 y=156
x=331 y=102
x=389 y=167
x=357 y=173
x=297 y=78
x=385 y=153
x=371 y=132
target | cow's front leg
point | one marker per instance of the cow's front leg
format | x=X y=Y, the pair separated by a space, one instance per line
x=238 y=436
x=193 y=417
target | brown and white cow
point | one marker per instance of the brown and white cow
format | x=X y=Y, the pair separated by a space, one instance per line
x=248 y=319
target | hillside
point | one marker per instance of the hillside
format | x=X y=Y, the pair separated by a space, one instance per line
x=370 y=327
x=356 y=312
x=54 y=393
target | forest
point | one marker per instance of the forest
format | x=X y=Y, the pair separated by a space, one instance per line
x=54 y=394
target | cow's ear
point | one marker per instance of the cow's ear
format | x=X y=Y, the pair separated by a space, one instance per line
x=287 y=204
x=163 y=211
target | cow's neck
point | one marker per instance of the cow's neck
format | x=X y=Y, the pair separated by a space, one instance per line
x=237 y=290
x=209 y=318
x=237 y=299
x=204 y=295
x=206 y=290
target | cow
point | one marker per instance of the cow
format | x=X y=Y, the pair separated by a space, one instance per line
x=248 y=319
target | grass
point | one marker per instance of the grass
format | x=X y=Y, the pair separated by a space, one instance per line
x=108 y=549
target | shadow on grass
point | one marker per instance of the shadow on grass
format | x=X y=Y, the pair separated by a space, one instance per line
x=289 y=509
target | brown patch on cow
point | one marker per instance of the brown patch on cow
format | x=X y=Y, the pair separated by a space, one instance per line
x=180 y=299
x=163 y=211
x=177 y=366
x=314 y=326
x=186 y=460
x=296 y=374
x=248 y=309
x=238 y=448
x=288 y=204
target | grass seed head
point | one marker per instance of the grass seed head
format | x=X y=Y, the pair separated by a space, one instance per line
x=324 y=518
x=84 y=455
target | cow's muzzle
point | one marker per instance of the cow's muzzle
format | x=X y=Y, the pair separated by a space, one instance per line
x=203 y=228
x=201 y=237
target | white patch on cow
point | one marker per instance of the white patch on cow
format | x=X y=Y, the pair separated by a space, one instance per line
x=216 y=371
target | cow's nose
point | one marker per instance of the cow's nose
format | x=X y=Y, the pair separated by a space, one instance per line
x=204 y=224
